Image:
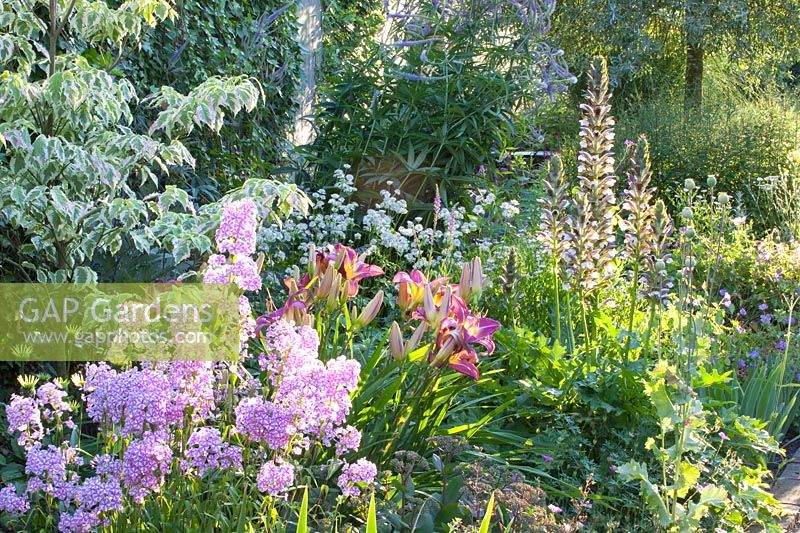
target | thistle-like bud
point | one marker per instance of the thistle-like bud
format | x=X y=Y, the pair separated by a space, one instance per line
x=437 y=207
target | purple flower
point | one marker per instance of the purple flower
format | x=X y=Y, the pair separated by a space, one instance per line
x=726 y=300
x=763 y=307
x=723 y=436
x=754 y=354
x=742 y=364
x=51 y=397
x=237 y=228
x=743 y=312
x=80 y=521
x=100 y=495
x=275 y=477
x=25 y=418
x=144 y=465
x=11 y=503
x=766 y=319
x=781 y=346
x=362 y=471
x=48 y=468
x=554 y=508
x=134 y=401
x=265 y=421
x=347 y=439
x=205 y=451
x=547 y=459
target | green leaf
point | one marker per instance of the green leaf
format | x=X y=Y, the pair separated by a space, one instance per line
x=487 y=518
x=302 y=521
x=372 y=519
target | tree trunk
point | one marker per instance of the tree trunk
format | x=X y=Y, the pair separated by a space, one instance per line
x=309 y=18
x=693 y=95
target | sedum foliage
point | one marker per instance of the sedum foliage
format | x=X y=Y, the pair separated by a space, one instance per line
x=77 y=178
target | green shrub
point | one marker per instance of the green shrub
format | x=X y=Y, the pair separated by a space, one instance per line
x=737 y=137
x=255 y=38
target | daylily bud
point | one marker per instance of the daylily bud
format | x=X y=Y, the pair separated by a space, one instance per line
x=311 y=264
x=444 y=306
x=472 y=279
x=476 y=283
x=325 y=283
x=291 y=284
x=413 y=342
x=465 y=280
x=444 y=352
x=333 y=294
x=396 y=343
x=428 y=304
x=369 y=312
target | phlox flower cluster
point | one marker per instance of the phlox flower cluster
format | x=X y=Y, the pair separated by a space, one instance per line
x=205 y=450
x=308 y=404
x=11 y=502
x=360 y=472
x=144 y=413
x=145 y=463
x=236 y=237
x=31 y=419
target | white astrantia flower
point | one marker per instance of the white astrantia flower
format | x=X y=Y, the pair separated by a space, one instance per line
x=332 y=219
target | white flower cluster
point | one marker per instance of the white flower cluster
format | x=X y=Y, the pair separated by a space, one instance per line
x=413 y=241
x=332 y=219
